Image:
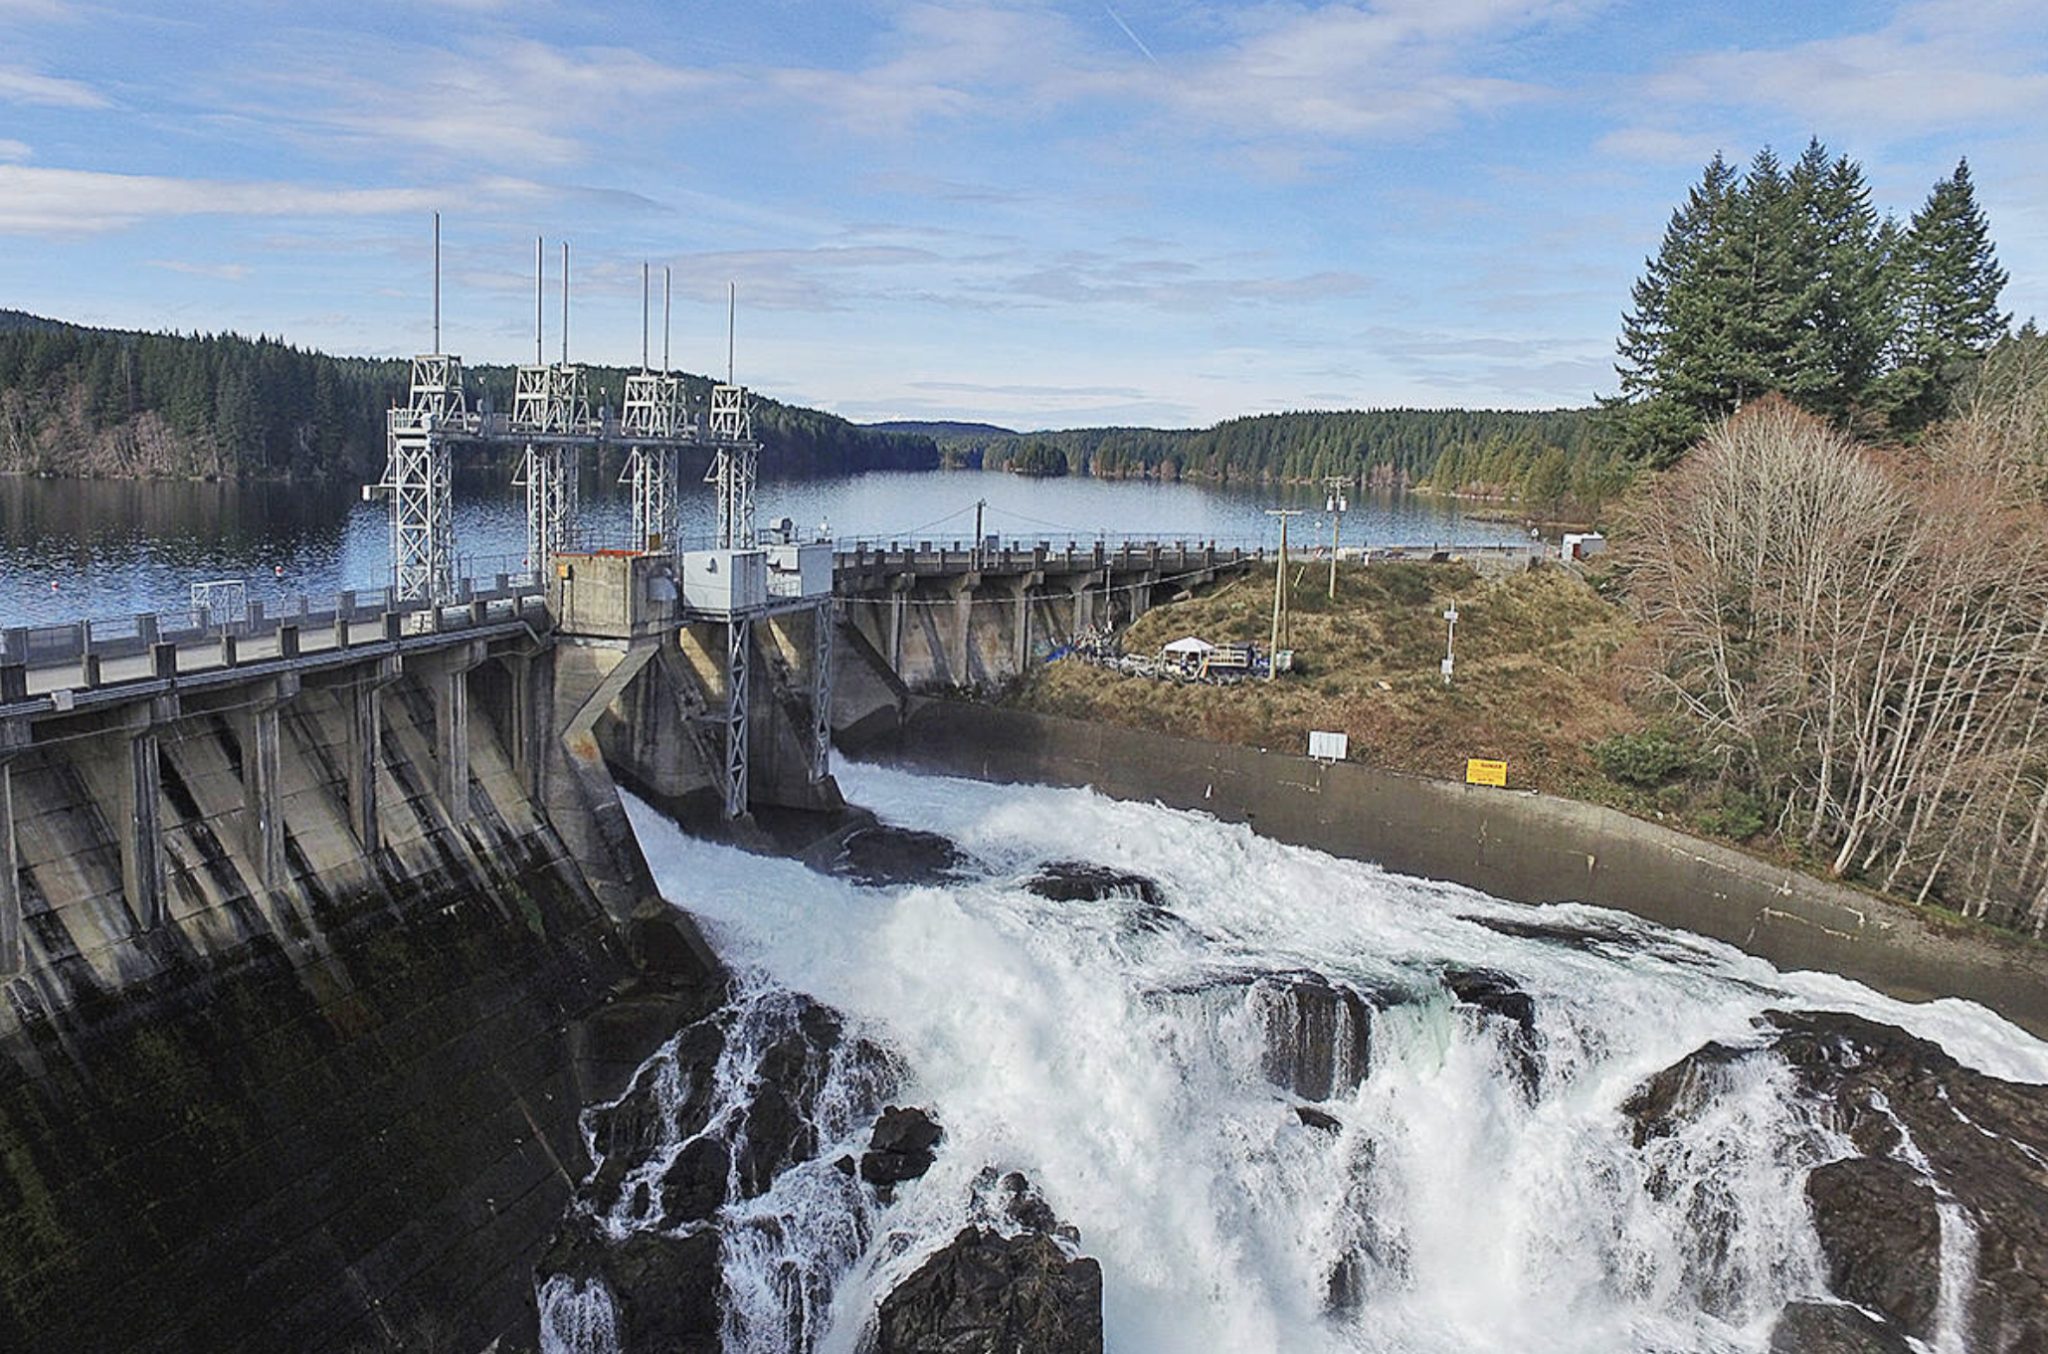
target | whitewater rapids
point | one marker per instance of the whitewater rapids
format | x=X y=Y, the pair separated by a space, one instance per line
x=1112 y=1054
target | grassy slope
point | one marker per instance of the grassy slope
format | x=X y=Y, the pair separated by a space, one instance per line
x=1537 y=680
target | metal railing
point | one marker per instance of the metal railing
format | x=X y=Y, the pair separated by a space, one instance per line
x=88 y=654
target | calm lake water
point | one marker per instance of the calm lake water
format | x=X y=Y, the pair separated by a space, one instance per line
x=71 y=549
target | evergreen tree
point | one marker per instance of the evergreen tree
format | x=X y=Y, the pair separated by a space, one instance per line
x=1668 y=344
x=1949 y=282
x=1787 y=282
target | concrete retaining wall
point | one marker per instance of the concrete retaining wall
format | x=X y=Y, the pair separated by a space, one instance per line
x=1523 y=847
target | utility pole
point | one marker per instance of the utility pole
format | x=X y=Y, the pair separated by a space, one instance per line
x=1450 y=641
x=1337 y=504
x=1279 y=588
x=979 y=505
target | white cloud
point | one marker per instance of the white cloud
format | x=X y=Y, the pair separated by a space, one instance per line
x=507 y=102
x=1937 y=65
x=1357 y=71
x=223 y=272
x=1351 y=71
x=25 y=86
x=11 y=150
x=52 y=201
x=1660 y=145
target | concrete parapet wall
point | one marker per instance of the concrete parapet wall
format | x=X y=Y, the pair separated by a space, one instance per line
x=1524 y=847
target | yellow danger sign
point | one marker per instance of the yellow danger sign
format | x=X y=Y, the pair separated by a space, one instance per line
x=1479 y=771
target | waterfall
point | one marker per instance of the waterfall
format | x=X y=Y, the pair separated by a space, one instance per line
x=1289 y=1101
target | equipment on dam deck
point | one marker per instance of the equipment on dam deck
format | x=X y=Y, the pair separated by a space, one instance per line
x=726 y=582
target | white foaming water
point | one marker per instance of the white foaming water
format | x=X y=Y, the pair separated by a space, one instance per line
x=577 y=1318
x=1114 y=1055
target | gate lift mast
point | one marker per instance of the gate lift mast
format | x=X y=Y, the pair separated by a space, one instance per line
x=551 y=407
x=416 y=467
x=732 y=472
x=656 y=408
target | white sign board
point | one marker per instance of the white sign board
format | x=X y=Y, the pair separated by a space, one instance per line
x=1328 y=747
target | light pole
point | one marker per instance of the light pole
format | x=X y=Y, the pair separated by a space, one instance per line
x=1336 y=503
x=1450 y=641
x=1279 y=588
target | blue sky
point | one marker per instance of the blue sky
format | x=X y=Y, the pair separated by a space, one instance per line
x=1041 y=214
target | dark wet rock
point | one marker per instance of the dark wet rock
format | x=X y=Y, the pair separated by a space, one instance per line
x=1317 y=1035
x=881 y=856
x=693 y=1187
x=1077 y=882
x=1314 y=1118
x=1985 y=1141
x=1674 y=1096
x=776 y=1135
x=1026 y=1207
x=984 y=1293
x=1881 y=1232
x=778 y=1128
x=1344 y=1289
x=664 y=1288
x=846 y=1166
x=1577 y=937
x=1832 y=1328
x=631 y=1129
x=1501 y=997
x=900 y=1148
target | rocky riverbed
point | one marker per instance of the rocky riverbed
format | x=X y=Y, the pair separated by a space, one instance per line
x=996 y=1080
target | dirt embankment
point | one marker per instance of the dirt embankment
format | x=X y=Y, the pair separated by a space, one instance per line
x=1540 y=676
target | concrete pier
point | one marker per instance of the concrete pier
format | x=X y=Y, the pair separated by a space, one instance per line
x=139 y=831
x=447 y=676
x=13 y=739
x=262 y=777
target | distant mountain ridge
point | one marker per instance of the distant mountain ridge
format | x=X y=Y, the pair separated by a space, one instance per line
x=12 y=321
x=942 y=428
x=103 y=403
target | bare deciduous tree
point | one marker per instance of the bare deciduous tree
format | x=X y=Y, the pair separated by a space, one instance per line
x=1865 y=643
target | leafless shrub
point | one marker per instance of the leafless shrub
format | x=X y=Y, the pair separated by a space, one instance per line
x=1866 y=644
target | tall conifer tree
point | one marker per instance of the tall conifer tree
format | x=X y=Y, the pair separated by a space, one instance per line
x=1949 y=282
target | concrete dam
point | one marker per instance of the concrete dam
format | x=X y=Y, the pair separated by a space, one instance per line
x=318 y=930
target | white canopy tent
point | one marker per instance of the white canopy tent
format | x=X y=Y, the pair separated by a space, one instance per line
x=1188 y=647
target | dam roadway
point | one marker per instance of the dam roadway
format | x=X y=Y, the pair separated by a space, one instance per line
x=109 y=694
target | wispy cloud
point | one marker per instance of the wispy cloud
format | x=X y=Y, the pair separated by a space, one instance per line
x=13 y=151
x=1935 y=65
x=18 y=85
x=494 y=101
x=36 y=200
x=1031 y=391
x=224 y=272
x=1659 y=145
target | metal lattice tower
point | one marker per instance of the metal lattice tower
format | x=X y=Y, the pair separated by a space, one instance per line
x=656 y=409
x=416 y=477
x=739 y=666
x=549 y=475
x=822 y=628
x=734 y=468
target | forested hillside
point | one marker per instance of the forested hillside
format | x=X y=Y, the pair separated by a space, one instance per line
x=94 y=402
x=1457 y=450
